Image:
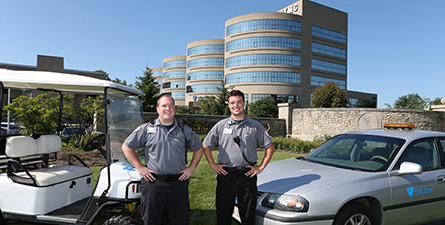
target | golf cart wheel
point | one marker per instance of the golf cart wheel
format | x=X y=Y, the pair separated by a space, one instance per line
x=121 y=220
x=356 y=214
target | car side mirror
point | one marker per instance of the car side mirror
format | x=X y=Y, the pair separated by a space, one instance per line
x=408 y=168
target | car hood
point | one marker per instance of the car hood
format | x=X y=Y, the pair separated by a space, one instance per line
x=299 y=177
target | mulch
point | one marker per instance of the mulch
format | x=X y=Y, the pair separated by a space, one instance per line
x=92 y=158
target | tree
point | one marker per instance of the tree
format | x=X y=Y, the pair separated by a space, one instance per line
x=410 y=101
x=437 y=101
x=329 y=96
x=39 y=113
x=265 y=107
x=150 y=88
x=211 y=105
x=115 y=80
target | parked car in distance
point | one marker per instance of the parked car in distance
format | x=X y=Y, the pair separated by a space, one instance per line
x=13 y=128
x=386 y=176
x=73 y=131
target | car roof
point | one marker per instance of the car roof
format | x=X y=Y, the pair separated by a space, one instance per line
x=402 y=134
x=59 y=81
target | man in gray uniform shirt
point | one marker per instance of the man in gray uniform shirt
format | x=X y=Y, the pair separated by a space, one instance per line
x=164 y=188
x=237 y=138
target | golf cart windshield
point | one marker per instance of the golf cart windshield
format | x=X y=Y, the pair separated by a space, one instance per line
x=123 y=116
x=123 y=110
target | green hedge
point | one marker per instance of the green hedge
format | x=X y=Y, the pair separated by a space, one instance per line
x=295 y=145
x=292 y=144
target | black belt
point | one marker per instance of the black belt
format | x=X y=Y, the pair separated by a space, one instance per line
x=237 y=170
x=167 y=177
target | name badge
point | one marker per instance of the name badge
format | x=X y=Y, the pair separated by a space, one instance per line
x=227 y=131
x=151 y=130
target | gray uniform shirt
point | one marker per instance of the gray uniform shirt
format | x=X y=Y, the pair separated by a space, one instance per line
x=164 y=150
x=251 y=134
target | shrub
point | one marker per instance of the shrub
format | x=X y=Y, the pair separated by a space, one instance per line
x=294 y=145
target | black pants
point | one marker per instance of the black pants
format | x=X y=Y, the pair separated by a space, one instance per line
x=237 y=186
x=161 y=197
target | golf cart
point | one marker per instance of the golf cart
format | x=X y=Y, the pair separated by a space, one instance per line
x=35 y=189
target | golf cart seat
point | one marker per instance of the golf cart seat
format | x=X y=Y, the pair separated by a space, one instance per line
x=18 y=147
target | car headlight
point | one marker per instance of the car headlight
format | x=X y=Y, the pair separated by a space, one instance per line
x=286 y=202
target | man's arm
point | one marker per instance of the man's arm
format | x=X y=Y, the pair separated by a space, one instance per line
x=267 y=157
x=197 y=155
x=218 y=168
x=131 y=156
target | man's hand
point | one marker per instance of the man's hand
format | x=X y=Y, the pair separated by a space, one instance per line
x=218 y=168
x=186 y=174
x=146 y=173
x=254 y=170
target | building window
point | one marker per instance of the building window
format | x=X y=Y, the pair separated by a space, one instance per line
x=328 y=34
x=204 y=88
x=214 y=61
x=175 y=63
x=319 y=81
x=277 y=98
x=202 y=75
x=328 y=50
x=254 y=42
x=266 y=24
x=178 y=73
x=263 y=76
x=290 y=60
x=214 y=48
x=328 y=66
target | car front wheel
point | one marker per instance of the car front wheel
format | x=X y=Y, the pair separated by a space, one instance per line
x=356 y=214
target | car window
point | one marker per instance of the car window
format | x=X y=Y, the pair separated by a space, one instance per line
x=442 y=143
x=423 y=152
x=362 y=152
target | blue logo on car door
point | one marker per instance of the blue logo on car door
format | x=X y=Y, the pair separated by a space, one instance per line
x=410 y=191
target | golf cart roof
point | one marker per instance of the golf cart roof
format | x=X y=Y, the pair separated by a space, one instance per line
x=59 y=81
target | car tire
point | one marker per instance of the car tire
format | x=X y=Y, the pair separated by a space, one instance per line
x=354 y=215
x=122 y=220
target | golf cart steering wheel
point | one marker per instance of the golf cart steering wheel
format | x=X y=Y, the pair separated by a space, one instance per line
x=96 y=143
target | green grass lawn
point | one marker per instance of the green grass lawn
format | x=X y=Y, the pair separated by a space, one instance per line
x=202 y=189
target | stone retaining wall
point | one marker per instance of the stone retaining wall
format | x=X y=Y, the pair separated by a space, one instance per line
x=308 y=124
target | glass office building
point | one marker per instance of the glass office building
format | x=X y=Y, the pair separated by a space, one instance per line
x=284 y=54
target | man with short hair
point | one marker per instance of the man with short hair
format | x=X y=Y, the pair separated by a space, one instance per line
x=164 y=187
x=237 y=138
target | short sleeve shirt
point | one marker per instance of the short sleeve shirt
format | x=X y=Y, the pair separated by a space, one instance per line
x=164 y=149
x=250 y=132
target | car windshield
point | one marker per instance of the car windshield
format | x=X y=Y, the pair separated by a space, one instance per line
x=357 y=152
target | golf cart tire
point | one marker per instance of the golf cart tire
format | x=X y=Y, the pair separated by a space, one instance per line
x=121 y=220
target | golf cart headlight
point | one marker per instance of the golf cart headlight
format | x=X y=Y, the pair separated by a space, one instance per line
x=286 y=202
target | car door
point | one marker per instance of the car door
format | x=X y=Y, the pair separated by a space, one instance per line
x=418 y=198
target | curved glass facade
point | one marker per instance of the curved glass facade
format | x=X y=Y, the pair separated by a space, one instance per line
x=175 y=63
x=157 y=73
x=328 y=66
x=319 y=81
x=205 y=49
x=263 y=76
x=254 y=59
x=204 y=88
x=214 y=61
x=176 y=95
x=202 y=75
x=328 y=50
x=178 y=73
x=278 y=98
x=174 y=84
x=264 y=24
x=328 y=34
x=255 y=42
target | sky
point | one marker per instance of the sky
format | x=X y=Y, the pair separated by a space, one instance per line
x=395 y=47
